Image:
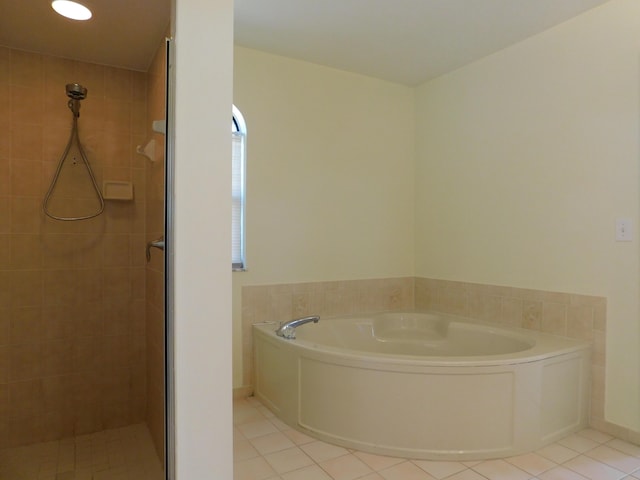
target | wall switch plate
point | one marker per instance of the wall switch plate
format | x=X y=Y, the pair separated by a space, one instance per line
x=623 y=230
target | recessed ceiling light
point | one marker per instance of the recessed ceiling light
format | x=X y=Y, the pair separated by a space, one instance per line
x=72 y=10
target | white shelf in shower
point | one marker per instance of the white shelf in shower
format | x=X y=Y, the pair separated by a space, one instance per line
x=159 y=126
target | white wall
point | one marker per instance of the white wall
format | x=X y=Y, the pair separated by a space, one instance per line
x=524 y=161
x=330 y=164
x=329 y=175
x=203 y=91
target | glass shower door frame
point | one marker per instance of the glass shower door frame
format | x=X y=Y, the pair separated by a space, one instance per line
x=169 y=266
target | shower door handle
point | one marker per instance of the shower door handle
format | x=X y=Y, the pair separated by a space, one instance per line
x=159 y=243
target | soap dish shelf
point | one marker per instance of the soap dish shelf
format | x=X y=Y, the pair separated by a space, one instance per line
x=117 y=190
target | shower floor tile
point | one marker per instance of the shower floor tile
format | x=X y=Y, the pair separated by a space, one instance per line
x=587 y=454
x=125 y=453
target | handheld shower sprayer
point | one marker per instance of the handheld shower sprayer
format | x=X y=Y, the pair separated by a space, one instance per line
x=76 y=93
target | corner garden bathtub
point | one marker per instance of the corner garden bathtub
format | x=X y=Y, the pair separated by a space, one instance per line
x=420 y=385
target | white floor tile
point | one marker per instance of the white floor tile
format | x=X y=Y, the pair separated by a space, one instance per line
x=288 y=460
x=378 y=462
x=532 y=463
x=592 y=469
x=313 y=472
x=500 y=470
x=560 y=473
x=594 y=435
x=265 y=412
x=292 y=455
x=243 y=450
x=624 y=447
x=253 y=469
x=615 y=459
x=405 y=471
x=257 y=429
x=271 y=442
x=321 y=451
x=253 y=401
x=440 y=470
x=467 y=475
x=279 y=424
x=346 y=467
x=297 y=437
x=578 y=443
x=557 y=453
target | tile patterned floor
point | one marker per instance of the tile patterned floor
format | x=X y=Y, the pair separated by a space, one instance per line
x=125 y=453
x=267 y=449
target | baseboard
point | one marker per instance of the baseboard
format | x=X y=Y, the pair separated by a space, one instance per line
x=242 y=392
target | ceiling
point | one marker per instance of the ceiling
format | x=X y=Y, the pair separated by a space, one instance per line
x=122 y=33
x=403 y=41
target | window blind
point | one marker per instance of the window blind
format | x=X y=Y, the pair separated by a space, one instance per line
x=238 y=199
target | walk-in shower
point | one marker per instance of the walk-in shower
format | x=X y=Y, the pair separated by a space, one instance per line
x=82 y=330
x=76 y=170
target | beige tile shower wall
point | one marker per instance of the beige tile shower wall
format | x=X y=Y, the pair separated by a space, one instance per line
x=570 y=315
x=72 y=331
x=155 y=268
x=275 y=303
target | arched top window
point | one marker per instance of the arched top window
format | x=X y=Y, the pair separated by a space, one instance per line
x=238 y=167
x=237 y=124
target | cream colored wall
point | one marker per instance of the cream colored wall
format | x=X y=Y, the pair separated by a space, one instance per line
x=524 y=161
x=329 y=175
x=202 y=238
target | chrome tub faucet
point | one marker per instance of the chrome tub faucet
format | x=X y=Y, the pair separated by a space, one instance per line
x=288 y=329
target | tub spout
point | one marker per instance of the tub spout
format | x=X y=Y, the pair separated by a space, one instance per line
x=288 y=329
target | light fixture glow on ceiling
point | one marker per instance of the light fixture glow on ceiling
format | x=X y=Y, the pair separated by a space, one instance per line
x=72 y=10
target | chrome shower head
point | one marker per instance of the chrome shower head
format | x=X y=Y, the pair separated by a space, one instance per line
x=75 y=91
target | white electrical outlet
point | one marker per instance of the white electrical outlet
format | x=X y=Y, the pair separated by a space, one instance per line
x=623 y=230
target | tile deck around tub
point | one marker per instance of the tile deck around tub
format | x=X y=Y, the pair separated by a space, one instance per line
x=267 y=449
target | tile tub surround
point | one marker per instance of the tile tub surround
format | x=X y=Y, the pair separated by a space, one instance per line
x=575 y=316
x=274 y=303
x=566 y=314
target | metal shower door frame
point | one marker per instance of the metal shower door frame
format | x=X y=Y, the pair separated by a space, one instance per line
x=170 y=435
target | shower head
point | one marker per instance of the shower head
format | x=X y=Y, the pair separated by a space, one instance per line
x=75 y=91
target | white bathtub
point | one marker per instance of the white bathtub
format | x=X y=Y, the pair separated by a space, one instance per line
x=428 y=386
